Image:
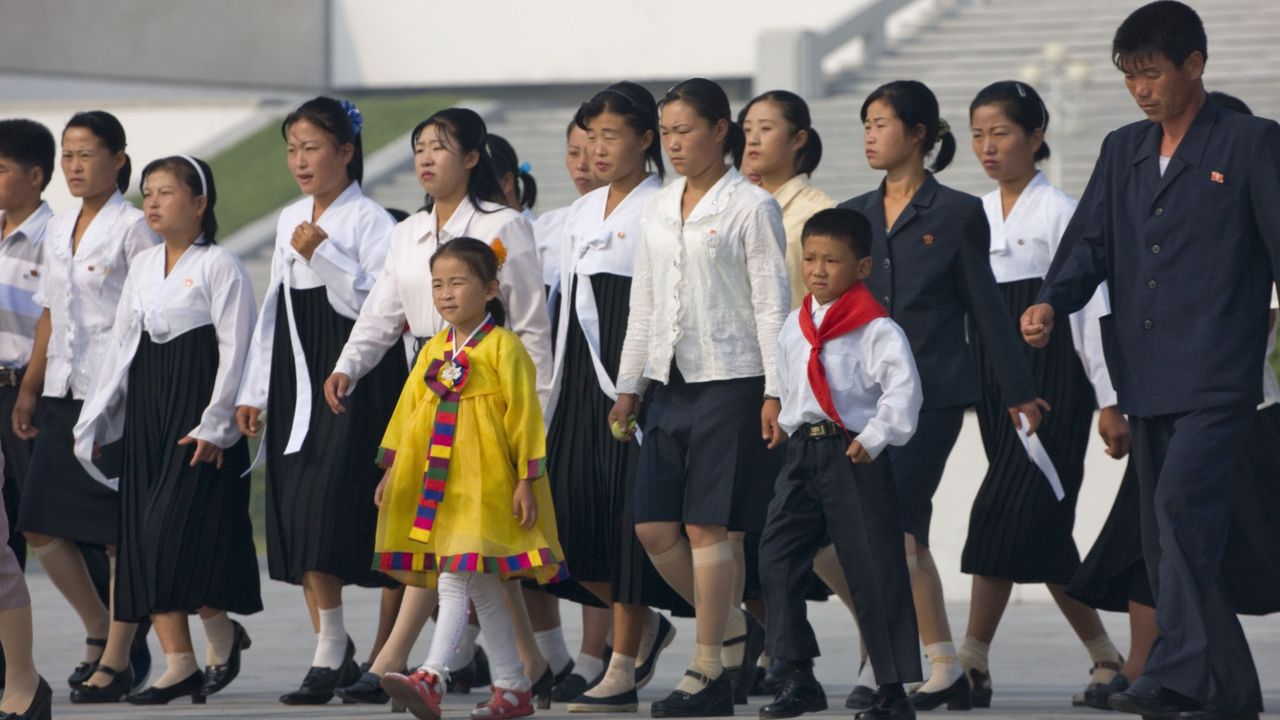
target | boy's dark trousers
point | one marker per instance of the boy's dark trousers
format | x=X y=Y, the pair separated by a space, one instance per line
x=822 y=494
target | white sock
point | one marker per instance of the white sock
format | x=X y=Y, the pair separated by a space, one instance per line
x=551 y=644
x=620 y=677
x=735 y=626
x=944 y=665
x=974 y=655
x=588 y=667
x=763 y=661
x=867 y=675
x=1101 y=649
x=331 y=642
x=706 y=660
x=220 y=638
x=177 y=667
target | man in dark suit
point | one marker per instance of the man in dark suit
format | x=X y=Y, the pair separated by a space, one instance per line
x=1182 y=219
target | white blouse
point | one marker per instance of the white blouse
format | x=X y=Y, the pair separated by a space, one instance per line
x=1022 y=247
x=346 y=264
x=872 y=376
x=403 y=291
x=82 y=289
x=548 y=233
x=20 y=260
x=711 y=291
x=596 y=244
x=207 y=286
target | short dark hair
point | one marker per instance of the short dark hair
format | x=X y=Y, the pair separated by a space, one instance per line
x=796 y=112
x=637 y=106
x=848 y=226
x=1164 y=27
x=482 y=260
x=184 y=171
x=29 y=144
x=1230 y=102
x=1021 y=103
x=107 y=128
x=335 y=118
x=916 y=105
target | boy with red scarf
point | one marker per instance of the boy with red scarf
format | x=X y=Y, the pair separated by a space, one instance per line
x=849 y=389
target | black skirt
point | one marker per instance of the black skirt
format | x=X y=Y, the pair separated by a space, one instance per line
x=592 y=475
x=59 y=498
x=186 y=541
x=1114 y=572
x=1018 y=529
x=320 y=511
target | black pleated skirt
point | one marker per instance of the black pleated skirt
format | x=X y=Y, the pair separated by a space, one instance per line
x=1018 y=529
x=186 y=540
x=320 y=511
x=59 y=498
x=592 y=475
x=1114 y=572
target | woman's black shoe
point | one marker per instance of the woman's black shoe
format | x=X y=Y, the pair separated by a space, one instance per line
x=542 y=689
x=217 y=677
x=981 y=691
x=886 y=708
x=769 y=682
x=715 y=699
x=570 y=688
x=114 y=691
x=41 y=707
x=801 y=693
x=957 y=697
x=193 y=686
x=474 y=675
x=624 y=702
x=85 y=670
x=365 y=691
x=318 y=686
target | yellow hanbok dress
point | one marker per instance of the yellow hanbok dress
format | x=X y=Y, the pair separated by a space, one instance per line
x=461 y=436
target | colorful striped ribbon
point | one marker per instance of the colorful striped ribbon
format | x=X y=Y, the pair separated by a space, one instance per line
x=442 y=433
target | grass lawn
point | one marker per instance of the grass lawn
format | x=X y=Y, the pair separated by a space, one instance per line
x=253 y=179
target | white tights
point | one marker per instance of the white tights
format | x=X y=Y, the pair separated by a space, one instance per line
x=484 y=590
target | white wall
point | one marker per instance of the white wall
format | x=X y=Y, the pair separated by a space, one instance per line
x=396 y=43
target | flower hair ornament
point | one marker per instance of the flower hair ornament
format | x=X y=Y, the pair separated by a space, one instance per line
x=353 y=114
x=499 y=251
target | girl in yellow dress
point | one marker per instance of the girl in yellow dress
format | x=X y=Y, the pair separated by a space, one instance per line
x=464 y=504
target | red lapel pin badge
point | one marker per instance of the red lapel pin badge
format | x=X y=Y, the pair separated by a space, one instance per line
x=928 y=239
x=1217 y=177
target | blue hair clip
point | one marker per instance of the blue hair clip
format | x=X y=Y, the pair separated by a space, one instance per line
x=526 y=168
x=353 y=113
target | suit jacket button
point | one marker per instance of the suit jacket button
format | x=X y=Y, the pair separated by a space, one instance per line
x=1159 y=212
x=886 y=299
x=1155 y=249
x=887 y=262
x=1153 y=284
x=1146 y=324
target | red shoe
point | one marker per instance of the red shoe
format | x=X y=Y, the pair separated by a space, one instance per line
x=505 y=704
x=420 y=692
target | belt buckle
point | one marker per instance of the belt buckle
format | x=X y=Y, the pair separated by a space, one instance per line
x=818 y=430
x=8 y=377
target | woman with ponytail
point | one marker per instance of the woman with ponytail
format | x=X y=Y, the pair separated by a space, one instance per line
x=931 y=272
x=455 y=169
x=708 y=297
x=88 y=252
x=330 y=248
x=519 y=189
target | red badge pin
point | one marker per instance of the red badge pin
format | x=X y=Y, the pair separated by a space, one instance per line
x=928 y=239
x=1217 y=177
x=189 y=282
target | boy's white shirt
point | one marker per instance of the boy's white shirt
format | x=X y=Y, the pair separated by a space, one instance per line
x=872 y=376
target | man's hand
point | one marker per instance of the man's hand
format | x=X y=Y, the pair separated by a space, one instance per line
x=1037 y=324
x=1113 y=426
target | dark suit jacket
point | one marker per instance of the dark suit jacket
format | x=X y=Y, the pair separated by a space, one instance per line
x=1188 y=258
x=929 y=271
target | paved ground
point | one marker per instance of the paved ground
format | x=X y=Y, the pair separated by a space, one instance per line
x=1036 y=663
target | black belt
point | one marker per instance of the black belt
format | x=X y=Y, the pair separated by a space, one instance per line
x=11 y=377
x=823 y=429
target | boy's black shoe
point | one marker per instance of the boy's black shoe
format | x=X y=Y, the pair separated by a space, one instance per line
x=715 y=699
x=769 y=682
x=884 y=707
x=801 y=693
x=1148 y=698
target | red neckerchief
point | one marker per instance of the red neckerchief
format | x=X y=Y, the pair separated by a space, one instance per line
x=855 y=308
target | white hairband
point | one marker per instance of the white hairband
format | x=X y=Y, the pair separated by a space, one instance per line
x=204 y=186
